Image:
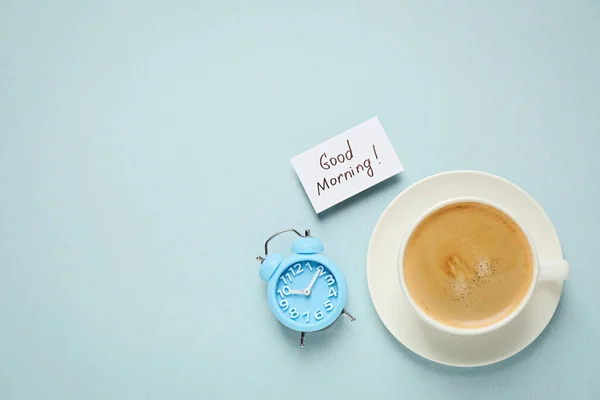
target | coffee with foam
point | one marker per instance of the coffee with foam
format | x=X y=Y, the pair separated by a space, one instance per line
x=468 y=265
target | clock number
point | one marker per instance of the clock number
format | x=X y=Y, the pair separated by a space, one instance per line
x=289 y=276
x=284 y=304
x=332 y=292
x=308 y=266
x=293 y=313
x=318 y=315
x=299 y=269
x=283 y=279
x=307 y=315
x=285 y=291
x=330 y=280
x=321 y=270
x=328 y=305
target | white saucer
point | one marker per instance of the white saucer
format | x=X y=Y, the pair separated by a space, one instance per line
x=393 y=307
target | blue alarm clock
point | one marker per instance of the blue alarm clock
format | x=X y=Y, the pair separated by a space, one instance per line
x=306 y=290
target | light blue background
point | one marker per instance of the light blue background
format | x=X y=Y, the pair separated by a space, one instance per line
x=144 y=159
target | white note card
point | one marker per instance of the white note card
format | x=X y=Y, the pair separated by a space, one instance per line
x=346 y=164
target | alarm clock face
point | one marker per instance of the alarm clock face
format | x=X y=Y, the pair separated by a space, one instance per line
x=308 y=295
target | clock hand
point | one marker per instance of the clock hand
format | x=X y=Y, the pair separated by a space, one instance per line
x=312 y=282
x=297 y=291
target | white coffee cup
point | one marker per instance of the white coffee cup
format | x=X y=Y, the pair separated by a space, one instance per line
x=542 y=270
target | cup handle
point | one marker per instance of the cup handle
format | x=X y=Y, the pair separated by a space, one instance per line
x=554 y=270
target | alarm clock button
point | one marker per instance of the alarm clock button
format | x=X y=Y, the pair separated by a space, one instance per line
x=307 y=245
x=268 y=266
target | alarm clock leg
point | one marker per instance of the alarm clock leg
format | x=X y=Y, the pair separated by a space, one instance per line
x=302 y=339
x=348 y=315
